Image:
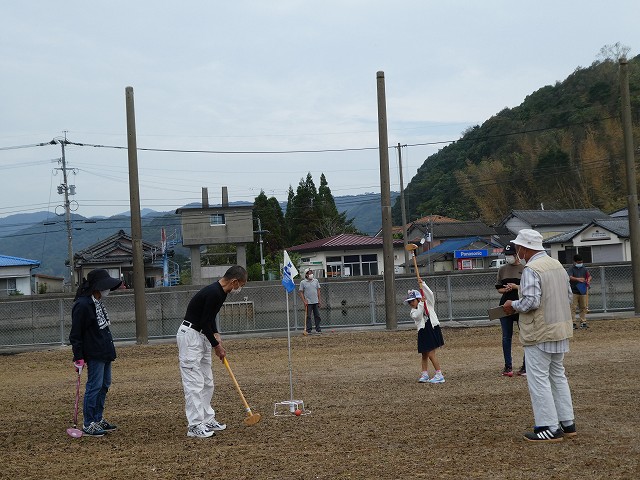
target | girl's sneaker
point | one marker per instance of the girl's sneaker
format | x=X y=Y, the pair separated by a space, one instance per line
x=94 y=430
x=437 y=378
x=424 y=378
x=507 y=372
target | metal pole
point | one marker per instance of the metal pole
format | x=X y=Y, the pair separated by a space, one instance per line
x=261 y=256
x=404 y=212
x=136 y=223
x=632 y=190
x=385 y=200
x=67 y=213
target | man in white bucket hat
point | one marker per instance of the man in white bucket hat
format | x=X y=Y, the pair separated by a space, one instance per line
x=545 y=328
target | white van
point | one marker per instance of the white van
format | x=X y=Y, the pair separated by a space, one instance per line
x=497 y=263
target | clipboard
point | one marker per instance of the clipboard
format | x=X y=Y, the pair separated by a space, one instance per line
x=496 y=312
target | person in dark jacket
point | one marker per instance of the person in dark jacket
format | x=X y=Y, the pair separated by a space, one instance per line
x=92 y=346
x=508 y=283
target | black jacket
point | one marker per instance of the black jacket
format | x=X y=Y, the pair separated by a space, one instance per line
x=89 y=340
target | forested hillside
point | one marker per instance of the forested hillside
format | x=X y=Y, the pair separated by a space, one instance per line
x=562 y=147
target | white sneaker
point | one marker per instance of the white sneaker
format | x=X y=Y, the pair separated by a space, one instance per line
x=424 y=378
x=215 y=426
x=199 y=431
x=437 y=378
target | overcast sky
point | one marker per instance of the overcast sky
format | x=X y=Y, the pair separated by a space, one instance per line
x=263 y=76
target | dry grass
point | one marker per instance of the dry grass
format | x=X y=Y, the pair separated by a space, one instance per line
x=370 y=418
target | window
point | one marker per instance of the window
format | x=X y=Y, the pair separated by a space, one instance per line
x=352 y=265
x=7 y=286
x=370 y=264
x=217 y=219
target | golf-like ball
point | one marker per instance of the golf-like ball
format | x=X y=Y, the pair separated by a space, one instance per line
x=298 y=412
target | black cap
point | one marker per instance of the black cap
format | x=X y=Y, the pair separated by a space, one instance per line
x=510 y=249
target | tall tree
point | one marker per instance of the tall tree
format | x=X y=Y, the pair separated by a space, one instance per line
x=304 y=217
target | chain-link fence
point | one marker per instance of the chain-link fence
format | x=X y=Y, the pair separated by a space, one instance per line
x=262 y=307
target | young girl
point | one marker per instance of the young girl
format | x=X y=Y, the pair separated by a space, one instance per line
x=429 y=334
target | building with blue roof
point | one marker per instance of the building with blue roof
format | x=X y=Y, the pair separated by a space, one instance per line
x=15 y=275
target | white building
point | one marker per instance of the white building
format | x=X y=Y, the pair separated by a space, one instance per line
x=15 y=275
x=604 y=240
x=347 y=255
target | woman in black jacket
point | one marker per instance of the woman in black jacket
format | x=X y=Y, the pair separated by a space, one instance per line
x=92 y=345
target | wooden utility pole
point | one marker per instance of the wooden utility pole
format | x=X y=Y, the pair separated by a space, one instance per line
x=632 y=189
x=385 y=200
x=403 y=210
x=136 y=223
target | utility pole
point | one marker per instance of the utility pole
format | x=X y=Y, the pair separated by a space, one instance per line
x=136 y=223
x=632 y=189
x=385 y=201
x=403 y=210
x=66 y=190
x=260 y=232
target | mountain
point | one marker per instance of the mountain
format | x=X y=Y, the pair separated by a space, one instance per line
x=42 y=236
x=562 y=147
x=365 y=210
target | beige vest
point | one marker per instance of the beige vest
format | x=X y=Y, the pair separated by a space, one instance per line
x=551 y=321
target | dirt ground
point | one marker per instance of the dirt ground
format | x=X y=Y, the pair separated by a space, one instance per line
x=369 y=416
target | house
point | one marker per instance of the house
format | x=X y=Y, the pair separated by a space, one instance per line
x=464 y=253
x=47 y=284
x=604 y=240
x=550 y=222
x=115 y=254
x=437 y=232
x=15 y=275
x=347 y=255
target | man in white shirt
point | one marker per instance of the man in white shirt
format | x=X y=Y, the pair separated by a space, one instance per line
x=545 y=328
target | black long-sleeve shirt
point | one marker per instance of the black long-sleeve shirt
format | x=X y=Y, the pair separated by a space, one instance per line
x=203 y=309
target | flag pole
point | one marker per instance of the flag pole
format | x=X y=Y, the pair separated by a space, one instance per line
x=286 y=294
x=291 y=406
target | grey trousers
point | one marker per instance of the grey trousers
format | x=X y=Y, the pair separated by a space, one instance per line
x=548 y=387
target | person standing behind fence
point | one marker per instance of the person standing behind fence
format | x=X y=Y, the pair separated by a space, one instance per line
x=507 y=284
x=545 y=329
x=429 y=334
x=196 y=337
x=92 y=345
x=579 y=278
x=309 y=292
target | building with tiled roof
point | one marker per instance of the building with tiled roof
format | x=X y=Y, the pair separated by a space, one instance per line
x=550 y=222
x=599 y=241
x=115 y=254
x=347 y=255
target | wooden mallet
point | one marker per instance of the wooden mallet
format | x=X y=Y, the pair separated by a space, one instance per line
x=412 y=247
x=252 y=418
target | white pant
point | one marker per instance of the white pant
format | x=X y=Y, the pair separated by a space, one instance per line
x=548 y=387
x=194 y=352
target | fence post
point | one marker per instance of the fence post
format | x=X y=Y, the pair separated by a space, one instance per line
x=603 y=288
x=295 y=310
x=61 y=323
x=449 y=301
x=372 y=302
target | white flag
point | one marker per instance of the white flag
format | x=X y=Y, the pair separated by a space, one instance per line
x=289 y=272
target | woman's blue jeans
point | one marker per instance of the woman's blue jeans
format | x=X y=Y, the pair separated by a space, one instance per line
x=507 y=332
x=95 y=393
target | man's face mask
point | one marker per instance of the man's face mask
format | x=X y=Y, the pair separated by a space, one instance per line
x=104 y=293
x=510 y=259
x=237 y=290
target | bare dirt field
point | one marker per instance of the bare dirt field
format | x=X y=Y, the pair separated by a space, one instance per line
x=370 y=418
